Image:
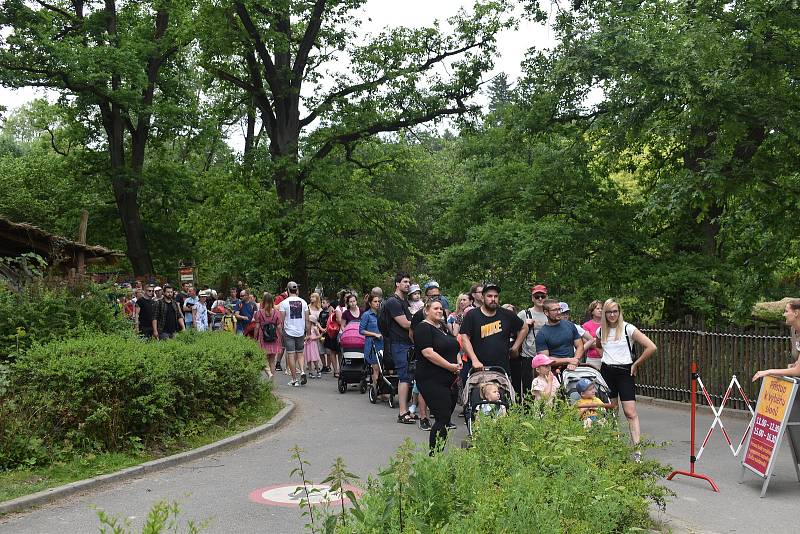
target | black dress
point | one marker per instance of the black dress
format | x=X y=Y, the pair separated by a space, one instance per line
x=436 y=384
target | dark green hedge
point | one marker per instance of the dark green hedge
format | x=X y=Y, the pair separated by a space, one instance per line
x=110 y=392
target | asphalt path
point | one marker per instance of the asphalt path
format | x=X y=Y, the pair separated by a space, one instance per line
x=327 y=424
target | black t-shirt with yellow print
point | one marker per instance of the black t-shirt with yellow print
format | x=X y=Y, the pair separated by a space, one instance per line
x=491 y=336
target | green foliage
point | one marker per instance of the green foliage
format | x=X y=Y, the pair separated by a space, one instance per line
x=163 y=518
x=539 y=471
x=111 y=392
x=43 y=311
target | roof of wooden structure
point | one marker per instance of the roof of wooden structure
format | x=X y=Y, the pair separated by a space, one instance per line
x=20 y=238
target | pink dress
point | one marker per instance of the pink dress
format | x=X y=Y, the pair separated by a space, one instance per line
x=261 y=318
x=311 y=346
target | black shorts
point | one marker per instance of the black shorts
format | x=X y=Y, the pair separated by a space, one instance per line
x=619 y=381
x=331 y=343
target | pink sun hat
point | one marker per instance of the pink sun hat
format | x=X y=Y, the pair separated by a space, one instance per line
x=541 y=359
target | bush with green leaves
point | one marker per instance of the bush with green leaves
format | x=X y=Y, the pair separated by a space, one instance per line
x=533 y=471
x=113 y=393
x=47 y=311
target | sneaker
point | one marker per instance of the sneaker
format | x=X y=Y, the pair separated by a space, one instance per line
x=637 y=457
x=292 y=383
x=425 y=424
x=319 y=374
x=325 y=369
x=278 y=367
x=303 y=379
x=450 y=426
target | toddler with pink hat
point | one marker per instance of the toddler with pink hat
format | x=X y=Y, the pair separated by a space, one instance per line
x=545 y=385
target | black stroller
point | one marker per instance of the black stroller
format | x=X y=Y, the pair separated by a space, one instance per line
x=471 y=394
x=388 y=379
x=352 y=370
x=570 y=383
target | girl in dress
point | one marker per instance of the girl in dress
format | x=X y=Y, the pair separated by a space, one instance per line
x=269 y=337
x=311 y=349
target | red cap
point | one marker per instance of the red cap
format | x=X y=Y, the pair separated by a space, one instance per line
x=539 y=289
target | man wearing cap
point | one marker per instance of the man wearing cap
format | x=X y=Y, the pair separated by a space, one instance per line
x=535 y=319
x=586 y=337
x=296 y=322
x=559 y=339
x=486 y=332
x=158 y=293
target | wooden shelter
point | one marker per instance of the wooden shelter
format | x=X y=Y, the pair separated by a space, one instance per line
x=62 y=254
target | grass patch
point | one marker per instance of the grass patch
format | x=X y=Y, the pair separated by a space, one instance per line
x=19 y=482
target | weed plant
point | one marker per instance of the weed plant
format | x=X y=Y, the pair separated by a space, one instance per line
x=535 y=470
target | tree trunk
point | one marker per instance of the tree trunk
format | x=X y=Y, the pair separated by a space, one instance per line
x=126 y=194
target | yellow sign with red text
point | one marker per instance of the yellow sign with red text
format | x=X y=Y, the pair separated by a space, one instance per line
x=773 y=400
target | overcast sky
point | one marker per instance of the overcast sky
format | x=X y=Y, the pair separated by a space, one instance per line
x=512 y=45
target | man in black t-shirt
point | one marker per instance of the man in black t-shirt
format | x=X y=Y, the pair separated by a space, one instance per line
x=487 y=331
x=399 y=342
x=144 y=312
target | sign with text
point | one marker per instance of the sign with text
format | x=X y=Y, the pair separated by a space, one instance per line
x=187 y=274
x=773 y=401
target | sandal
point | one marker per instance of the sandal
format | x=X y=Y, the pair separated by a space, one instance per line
x=406 y=419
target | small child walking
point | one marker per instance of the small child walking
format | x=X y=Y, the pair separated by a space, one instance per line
x=545 y=385
x=311 y=350
x=588 y=404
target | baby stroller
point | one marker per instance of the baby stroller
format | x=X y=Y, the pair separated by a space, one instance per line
x=471 y=394
x=388 y=379
x=569 y=380
x=352 y=370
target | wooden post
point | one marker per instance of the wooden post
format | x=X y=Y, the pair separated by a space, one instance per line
x=82 y=240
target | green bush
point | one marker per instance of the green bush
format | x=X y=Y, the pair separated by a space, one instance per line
x=43 y=313
x=527 y=472
x=112 y=393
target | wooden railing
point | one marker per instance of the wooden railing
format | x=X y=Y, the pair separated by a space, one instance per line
x=719 y=353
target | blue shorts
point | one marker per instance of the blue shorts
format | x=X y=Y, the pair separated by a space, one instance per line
x=400 y=358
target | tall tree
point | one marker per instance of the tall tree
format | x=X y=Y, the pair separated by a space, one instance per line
x=284 y=55
x=112 y=57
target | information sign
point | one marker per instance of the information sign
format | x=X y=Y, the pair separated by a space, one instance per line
x=187 y=274
x=775 y=412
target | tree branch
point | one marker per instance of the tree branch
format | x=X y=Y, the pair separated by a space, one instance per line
x=263 y=54
x=307 y=43
x=370 y=84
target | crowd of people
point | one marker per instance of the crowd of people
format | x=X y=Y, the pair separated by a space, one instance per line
x=433 y=347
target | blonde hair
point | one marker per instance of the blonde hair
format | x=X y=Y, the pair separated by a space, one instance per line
x=605 y=328
x=314 y=300
x=486 y=386
x=459 y=307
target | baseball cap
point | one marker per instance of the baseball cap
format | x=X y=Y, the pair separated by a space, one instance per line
x=490 y=285
x=564 y=307
x=414 y=288
x=291 y=286
x=539 y=288
x=158 y=288
x=432 y=283
x=541 y=359
x=583 y=384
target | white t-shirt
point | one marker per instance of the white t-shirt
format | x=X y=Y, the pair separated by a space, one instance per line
x=616 y=351
x=295 y=311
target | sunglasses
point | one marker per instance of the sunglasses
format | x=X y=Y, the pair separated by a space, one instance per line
x=538 y=297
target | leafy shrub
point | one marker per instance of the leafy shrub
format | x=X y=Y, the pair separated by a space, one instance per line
x=111 y=392
x=527 y=472
x=42 y=313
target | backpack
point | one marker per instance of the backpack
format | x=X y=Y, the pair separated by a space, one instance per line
x=332 y=328
x=269 y=332
x=384 y=317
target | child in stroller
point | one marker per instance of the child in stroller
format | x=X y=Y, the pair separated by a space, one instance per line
x=473 y=400
x=589 y=404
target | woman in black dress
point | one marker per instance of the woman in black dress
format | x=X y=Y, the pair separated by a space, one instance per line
x=437 y=368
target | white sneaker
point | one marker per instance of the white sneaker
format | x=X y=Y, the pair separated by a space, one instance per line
x=292 y=383
x=296 y=384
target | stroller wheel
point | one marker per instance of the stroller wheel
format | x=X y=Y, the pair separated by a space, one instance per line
x=373 y=394
x=342 y=386
x=391 y=400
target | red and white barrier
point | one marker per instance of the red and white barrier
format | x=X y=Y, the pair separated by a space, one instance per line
x=718 y=416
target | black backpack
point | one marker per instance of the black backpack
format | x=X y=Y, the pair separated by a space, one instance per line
x=384 y=317
x=269 y=332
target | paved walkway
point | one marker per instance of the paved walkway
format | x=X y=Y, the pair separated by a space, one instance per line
x=327 y=424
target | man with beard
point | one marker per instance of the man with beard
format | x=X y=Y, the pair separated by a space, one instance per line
x=168 y=317
x=487 y=331
x=145 y=309
x=559 y=339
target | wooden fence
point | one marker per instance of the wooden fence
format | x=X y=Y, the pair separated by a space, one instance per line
x=719 y=353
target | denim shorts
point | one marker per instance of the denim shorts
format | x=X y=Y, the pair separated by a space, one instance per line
x=400 y=359
x=293 y=343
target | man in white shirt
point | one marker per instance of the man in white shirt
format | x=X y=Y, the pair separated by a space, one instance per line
x=294 y=313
